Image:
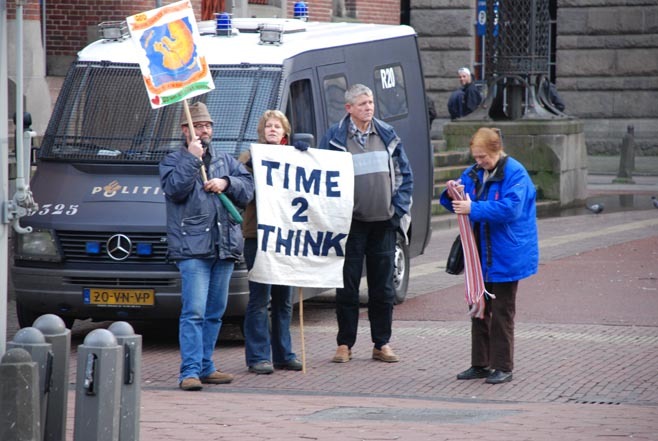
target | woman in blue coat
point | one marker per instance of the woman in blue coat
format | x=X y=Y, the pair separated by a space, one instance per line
x=500 y=203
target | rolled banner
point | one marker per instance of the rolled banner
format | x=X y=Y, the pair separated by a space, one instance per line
x=230 y=207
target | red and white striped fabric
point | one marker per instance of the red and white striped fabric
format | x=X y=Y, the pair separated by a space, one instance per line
x=474 y=282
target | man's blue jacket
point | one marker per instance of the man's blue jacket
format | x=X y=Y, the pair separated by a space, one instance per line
x=401 y=175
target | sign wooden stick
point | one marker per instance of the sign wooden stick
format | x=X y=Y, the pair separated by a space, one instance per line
x=301 y=328
x=235 y=214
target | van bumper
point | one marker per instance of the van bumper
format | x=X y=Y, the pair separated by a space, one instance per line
x=43 y=291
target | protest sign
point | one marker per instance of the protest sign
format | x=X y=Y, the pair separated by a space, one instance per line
x=304 y=203
x=171 y=61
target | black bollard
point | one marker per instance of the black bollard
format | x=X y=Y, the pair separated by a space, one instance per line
x=626 y=158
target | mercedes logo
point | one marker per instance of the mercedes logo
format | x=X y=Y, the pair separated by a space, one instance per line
x=118 y=247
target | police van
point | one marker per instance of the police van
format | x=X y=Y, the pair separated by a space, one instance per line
x=98 y=246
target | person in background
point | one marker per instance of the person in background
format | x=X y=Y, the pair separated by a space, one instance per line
x=500 y=203
x=465 y=99
x=267 y=349
x=203 y=241
x=383 y=184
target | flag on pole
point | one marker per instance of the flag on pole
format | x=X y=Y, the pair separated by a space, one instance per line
x=170 y=58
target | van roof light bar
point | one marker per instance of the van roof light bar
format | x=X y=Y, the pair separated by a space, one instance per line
x=270 y=33
x=113 y=30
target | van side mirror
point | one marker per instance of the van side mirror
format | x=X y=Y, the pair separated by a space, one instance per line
x=304 y=137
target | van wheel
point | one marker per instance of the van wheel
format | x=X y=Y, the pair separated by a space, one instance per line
x=401 y=270
x=26 y=317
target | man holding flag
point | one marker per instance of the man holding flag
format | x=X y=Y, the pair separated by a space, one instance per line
x=204 y=241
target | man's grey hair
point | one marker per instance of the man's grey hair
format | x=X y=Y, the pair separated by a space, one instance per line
x=355 y=91
x=464 y=69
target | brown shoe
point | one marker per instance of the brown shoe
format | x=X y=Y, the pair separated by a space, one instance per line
x=343 y=354
x=191 y=383
x=385 y=354
x=217 y=377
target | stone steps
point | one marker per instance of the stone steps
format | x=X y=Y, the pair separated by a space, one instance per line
x=450 y=165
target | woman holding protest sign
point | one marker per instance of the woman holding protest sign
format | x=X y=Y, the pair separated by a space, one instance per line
x=267 y=347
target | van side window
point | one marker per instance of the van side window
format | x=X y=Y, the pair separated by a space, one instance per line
x=334 y=89
x=300 y=112
x=390 y=92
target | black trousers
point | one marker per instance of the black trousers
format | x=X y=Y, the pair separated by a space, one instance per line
x=376 y=242
x=492 y=337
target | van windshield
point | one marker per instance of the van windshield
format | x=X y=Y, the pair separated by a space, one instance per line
x=103 y=115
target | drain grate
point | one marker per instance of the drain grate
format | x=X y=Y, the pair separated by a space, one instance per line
x=593 y=401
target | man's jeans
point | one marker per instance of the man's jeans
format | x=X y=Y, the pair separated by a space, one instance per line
x=375 y=241
x=259 y=344
x=204 y=295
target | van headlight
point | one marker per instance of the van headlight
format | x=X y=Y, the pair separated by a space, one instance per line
x=37 y=245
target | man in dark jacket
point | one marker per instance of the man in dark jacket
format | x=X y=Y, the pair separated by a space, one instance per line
x=203 y=241
x=465 y=99
x=383 y=184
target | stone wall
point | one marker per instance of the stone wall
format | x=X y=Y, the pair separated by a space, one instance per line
x=553 y=152
x=607 y=64
x=607 y=70
x=446 y=36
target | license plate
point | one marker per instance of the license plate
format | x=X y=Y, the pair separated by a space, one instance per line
x=118 y=297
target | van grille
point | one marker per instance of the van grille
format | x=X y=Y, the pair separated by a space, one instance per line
x=119 y=282
x=73 y=245
x=103 y=114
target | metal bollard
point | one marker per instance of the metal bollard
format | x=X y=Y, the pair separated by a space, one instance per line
x=98 y=387
x=54 y=330
x=19 y=397
x=32 y=340
x=626 y=158
x=131 y=381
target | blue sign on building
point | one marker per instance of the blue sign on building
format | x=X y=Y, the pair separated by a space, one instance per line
x=481 y=26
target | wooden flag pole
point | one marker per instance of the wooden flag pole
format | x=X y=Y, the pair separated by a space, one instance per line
x=190 y=125
x=230 y=207
x=190 y=137
x=301 y=328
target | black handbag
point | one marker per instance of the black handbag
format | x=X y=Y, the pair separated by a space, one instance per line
x=455 y=262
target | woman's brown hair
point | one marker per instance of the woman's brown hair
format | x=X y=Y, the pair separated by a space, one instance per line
x=489 y=139
x=268 y=115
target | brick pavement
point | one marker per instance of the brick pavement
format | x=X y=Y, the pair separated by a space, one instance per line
x=586 y=358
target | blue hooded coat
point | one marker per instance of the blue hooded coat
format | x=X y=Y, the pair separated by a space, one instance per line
x=503 y=217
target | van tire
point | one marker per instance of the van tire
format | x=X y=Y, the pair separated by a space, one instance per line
x=401 y=270
x=26 y=317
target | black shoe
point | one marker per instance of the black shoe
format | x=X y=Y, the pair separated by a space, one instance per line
x=498 y=377
x=474 y=372
x=290 y=365
x=261 y=368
